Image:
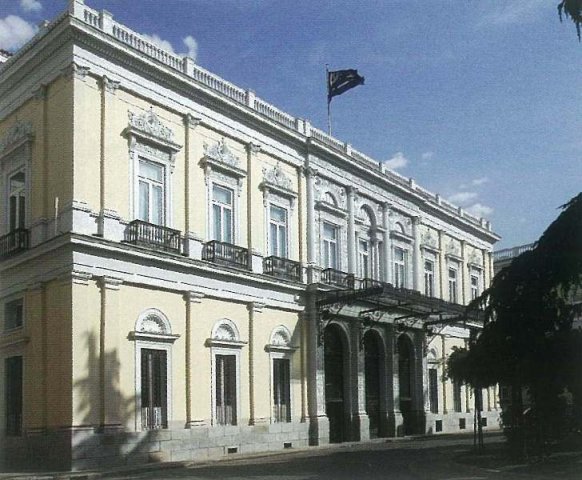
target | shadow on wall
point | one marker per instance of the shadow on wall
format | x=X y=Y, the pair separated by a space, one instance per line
x=105 y=436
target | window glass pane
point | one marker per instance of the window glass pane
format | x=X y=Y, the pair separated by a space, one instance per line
x=273 y=244
x=333 y=255
x=278 y=214
x=329 y=231
x=222 y=195
x=144 y=201
x=227 y=226
x=151 y=171
x=282 y=242
x=399 y=254
x=217 y=222
x=157 y=205
x=17 y=182
x=13 y=224
x=13 y=314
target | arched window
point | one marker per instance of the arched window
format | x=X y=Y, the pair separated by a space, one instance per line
x=225 y=345
x=153 y=364
x=281 y=353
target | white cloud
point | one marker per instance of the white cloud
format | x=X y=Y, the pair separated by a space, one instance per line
x=479 y=210
x=514 y=12
x=15 y=32
x=189 y=42
x=479 y=181
x=30 y=5
x=427 y=155
x=463 y=198
x=191 y=45
x=397 y=161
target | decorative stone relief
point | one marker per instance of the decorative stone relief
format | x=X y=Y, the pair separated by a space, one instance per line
x=323 y=186
x=429 y=240
x=221 y=153
x=149 y=123
x=276 y=177
x=225 y=332
x=74 y=70
x=281 y=337
x=17 y=133
x=475 y=258
x=152 y=324
x=453 y=248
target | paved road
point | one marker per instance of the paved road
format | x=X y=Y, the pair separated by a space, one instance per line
x=433 y=458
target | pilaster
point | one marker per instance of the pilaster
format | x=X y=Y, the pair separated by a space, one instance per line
x=352 y=192
x=360 y=419
x=464 y=274
x=191 y=298
x=310 y=175
x=190 y=244
x=254 y=309
x=442 y=266
x=416 y=255
x=252 y=216
x=109 y=343
x=387 y=243
x=443 y=377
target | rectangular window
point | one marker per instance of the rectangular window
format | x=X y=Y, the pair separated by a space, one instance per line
x=364 y=258
x=151 y=192
x=278 y=231
x=400 y=267
x=281 y=390
x=13 y=395
x=453 y=285
x=433 y=390
x=475 y=287
x=225 y=390
x=457 y=403
x=222 y=214
x=330 y=246
x=17 y=201
x=13 y=314
x=154 y=389
x=429 y=278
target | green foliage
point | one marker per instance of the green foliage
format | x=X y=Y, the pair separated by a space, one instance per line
x=571 y=9
x=527 y=341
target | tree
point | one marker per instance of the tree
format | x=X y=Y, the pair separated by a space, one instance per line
x=571 y=9
x=527 y=341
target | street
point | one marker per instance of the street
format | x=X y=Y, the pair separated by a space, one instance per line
x=426 y=458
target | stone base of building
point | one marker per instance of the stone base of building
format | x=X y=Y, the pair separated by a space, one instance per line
x=82 y=449
x=459 y=422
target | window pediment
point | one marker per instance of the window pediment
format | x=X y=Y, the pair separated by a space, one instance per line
x=280 y=341
x=401 y=236
x=277 y=182
x=220 y=157
x=328 y=207
x=17 y=135
x=149 y=127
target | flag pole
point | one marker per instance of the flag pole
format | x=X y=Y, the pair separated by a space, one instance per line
x=328 y=100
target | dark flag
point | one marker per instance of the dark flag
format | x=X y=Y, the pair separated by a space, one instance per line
x=340 y=81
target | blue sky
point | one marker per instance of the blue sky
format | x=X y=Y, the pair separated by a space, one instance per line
x=477 y=100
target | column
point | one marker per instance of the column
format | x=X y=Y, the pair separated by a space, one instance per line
x=190 y=298
x=254 y=308
x=489 y=265
x=109 y=345
x=318 y=421
x=360 y=420
x=192 y=243
x=416 y=255
x=352 y=191
x=386 y=245
x=444 y=380
x=255 y=256
x=486 y=279
x=422 y=384
x=442 y=266
x=310 y=174
x=395 y=420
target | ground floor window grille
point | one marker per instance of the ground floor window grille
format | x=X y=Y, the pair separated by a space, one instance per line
x=433 y=390
x=281 y=390
x=13 y=395
x=226 y=413
x=154 y=389
x=457 y=403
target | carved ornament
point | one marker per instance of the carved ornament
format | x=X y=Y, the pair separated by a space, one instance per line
x=17 y=134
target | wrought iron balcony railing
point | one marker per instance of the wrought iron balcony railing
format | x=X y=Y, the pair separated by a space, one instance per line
x=153 y=236
x=225 y=254
x=282 y=268
x=14 y=242
x=337 y=278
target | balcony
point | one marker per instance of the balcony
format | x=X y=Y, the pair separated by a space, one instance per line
x=14 y=242
x=337 y=278
x=282 y=268
x=225 y=254
x=153 y=236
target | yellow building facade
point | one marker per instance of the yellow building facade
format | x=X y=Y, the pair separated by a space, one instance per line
x=187 y=271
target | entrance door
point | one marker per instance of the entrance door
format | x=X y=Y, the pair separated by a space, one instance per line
x=334 y=384
x=405 y=361
x=372 y=375
x=154 y=389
